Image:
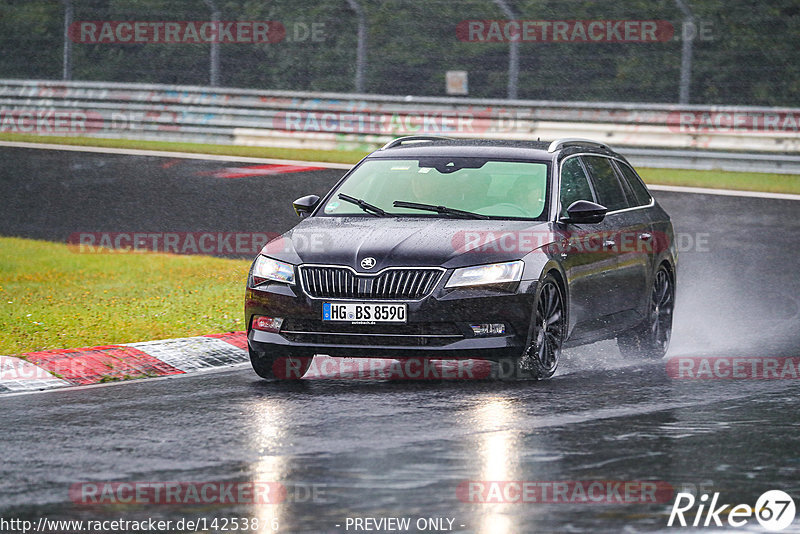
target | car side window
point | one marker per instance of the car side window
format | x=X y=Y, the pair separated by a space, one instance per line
x=604 y=177
x=635 y=185
x=574 y=184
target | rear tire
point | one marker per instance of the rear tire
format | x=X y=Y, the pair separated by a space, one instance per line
x=650 y=339
x=540 y=359
x=272 y=367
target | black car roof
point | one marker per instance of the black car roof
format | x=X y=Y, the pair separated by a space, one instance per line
x=490 y=148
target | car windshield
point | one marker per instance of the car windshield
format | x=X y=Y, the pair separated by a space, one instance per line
x=503 y=189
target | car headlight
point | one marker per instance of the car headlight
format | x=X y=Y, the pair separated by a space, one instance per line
x=493 y=273
x=268 y=269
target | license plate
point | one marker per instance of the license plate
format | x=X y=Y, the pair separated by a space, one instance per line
x=364 y=312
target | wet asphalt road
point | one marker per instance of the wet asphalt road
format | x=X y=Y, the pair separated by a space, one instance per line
x=49 y=195
x=401 y=449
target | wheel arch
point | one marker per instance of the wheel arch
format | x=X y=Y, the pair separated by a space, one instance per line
x=670 y=267
x=562 y=283
x=554 y=270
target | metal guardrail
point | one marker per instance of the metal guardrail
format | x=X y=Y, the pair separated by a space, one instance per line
x=660 y=135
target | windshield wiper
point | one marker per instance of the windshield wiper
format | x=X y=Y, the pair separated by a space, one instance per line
x=444 y=210
x=366 y=206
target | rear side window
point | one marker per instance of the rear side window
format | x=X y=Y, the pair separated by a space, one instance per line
x=635 y=185
x=574 y=184
x=609 y=190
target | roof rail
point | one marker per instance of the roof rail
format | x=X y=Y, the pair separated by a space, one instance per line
x=413 y=139
x=574 y=141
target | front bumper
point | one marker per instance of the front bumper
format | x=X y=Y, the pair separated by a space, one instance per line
x=438 y=326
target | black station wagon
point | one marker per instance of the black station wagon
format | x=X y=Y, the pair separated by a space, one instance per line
x=442 y=248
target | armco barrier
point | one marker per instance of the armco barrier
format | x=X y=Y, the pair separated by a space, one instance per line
x=718 y=137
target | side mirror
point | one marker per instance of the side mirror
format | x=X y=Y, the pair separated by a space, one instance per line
x=584 y=212
x=303 y=206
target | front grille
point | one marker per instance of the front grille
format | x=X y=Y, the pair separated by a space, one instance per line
x=413 y=283
x=409 y=335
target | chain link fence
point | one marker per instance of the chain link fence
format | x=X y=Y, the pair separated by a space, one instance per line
x=688 y=51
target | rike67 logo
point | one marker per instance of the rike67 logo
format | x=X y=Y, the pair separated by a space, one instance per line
x=774 y=510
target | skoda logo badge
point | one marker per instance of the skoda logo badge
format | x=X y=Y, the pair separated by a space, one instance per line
x=368 y=263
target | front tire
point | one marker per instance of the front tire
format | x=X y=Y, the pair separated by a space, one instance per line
x=540 y=359
x=651 y=338
x=273 y=367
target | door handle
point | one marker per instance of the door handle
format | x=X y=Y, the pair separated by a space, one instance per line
x=564 y=248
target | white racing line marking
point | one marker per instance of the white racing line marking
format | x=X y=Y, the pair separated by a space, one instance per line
x=345 y=166
x=723 y=192
x=167 y=154
x=148 y=380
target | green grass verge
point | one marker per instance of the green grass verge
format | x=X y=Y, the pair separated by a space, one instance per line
x=53 y=298
x=745 y=181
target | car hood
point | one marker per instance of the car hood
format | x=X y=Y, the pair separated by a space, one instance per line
x=412 y=241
